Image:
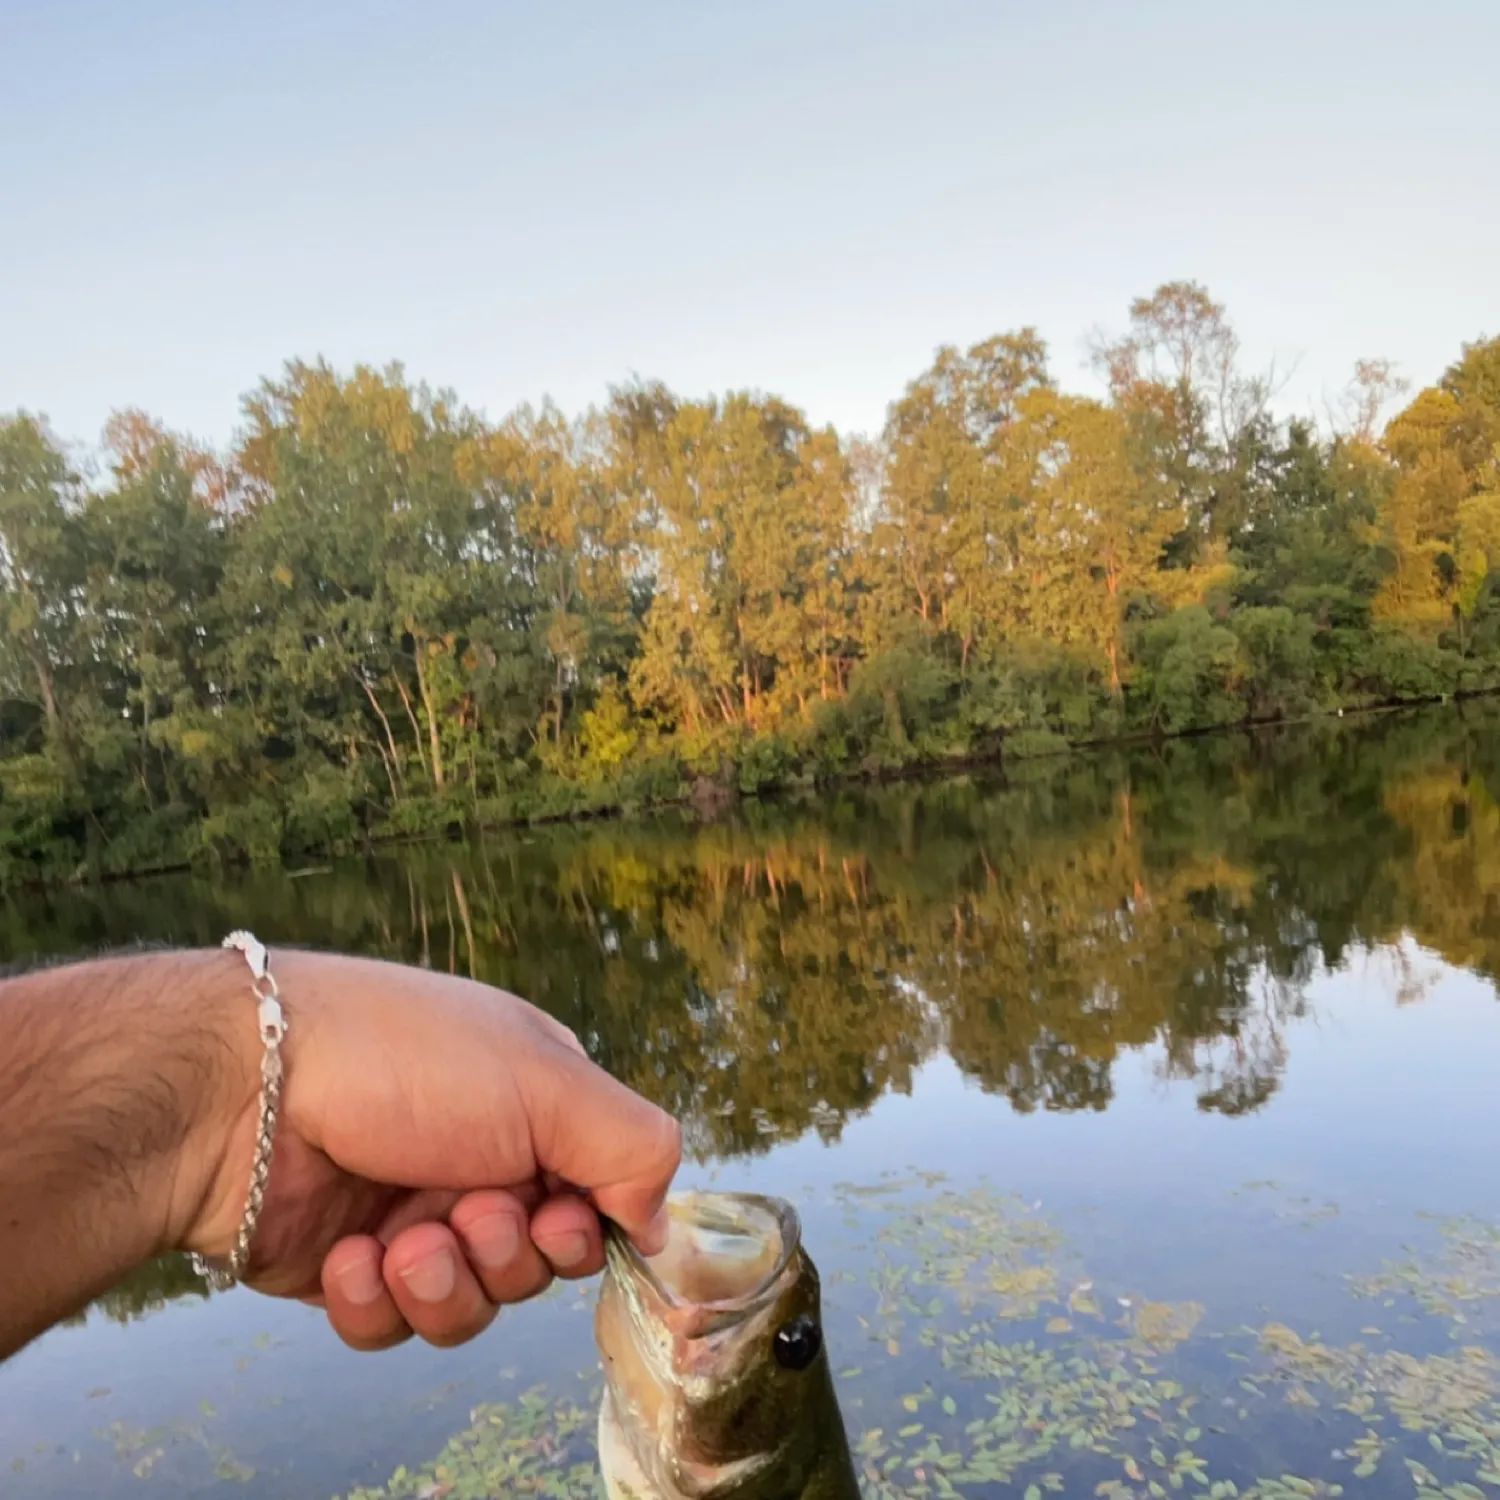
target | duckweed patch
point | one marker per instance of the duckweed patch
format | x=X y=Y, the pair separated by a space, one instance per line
x=537 y=1445
x=144 y=1448
x=1459 y=1282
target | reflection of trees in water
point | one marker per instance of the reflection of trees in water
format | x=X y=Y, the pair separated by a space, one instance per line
x=1453 y=822
x=779 y=971
x=147 y=1289
x=1238 y=1070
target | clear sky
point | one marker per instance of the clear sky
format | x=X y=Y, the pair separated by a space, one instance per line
x=799 y=196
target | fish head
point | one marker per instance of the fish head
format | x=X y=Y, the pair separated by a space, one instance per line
x=713 y=1350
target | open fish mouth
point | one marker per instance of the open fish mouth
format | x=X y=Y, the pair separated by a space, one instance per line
x=685 y=1326
x=716 y=1381
x=725 y=1256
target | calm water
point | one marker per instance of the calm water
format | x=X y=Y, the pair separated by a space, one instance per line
x=1142 y=1111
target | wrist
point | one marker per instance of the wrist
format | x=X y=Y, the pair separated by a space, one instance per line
x=212 y=1177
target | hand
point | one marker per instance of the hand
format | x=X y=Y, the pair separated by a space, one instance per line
x=443 y=1148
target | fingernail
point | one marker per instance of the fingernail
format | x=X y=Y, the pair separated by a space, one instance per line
x=360 y=1283
x=431 y=1280
x=652 y=1240
x=568 y=1250
x=494 y=1240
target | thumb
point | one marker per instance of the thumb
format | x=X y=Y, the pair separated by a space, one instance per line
x=608 y=1141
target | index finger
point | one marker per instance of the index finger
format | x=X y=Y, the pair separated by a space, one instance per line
x=606 y=1140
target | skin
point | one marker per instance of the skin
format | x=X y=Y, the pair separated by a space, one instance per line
x=443 y=1149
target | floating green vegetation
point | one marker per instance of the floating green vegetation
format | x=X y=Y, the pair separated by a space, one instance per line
x=1461 y=1283
x=1449 y=1399
x=1298 y=1209
x=1042 y=1405
x=1164 y=1325
x=143 y=1448
x=530 y=1447
x=999 y=1370
x=977 y=1248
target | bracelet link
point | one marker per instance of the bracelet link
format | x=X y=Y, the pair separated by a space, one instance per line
x=272 y=1024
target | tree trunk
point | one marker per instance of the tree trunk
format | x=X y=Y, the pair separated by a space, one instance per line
x=746 y=695
x=49 y=699
x=394 y=763
x=146 y=743
x=894 y=721
x=390 y=770
x=416 y=728
x=1112 y=582
x=462 y=898
x=434 y=737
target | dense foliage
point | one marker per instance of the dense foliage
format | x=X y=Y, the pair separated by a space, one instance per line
x=380 y=614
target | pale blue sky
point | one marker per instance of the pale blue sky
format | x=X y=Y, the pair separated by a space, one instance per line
x=801 y=197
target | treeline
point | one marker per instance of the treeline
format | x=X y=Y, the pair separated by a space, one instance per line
x=378 y=613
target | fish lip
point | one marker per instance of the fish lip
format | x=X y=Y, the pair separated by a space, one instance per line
x=624 y=1257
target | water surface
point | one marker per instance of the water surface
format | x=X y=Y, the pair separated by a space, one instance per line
x=1141 y=1110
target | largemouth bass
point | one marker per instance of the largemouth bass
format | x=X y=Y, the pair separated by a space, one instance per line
x=716 y=1379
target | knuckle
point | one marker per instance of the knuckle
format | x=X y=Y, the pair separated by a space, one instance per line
x=373 y=1343
x=528 y=1277
x=668 y=1145
x=451 y=1335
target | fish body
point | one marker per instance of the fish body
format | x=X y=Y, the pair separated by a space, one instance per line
x=717 y=1381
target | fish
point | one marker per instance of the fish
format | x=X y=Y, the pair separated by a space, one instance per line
x=717 y=1383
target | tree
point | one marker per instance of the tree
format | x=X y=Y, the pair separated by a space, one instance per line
x=156 y=552
x=825 y=568
x=1420 y=518
x=1309 y=537
x=1374 y=384
x=1194 y=414
x=576 y=548
x=376 y=580
x=945 y=544
x=722 y=480
x=41 y=570
x=1097 y=528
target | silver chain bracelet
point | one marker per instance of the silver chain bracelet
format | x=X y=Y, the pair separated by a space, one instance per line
x=272 y=1029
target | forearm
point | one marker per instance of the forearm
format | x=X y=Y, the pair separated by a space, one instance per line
x=113 y=1074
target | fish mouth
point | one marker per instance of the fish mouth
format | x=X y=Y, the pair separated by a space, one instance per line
x=682 y=1329
x=725 y=1258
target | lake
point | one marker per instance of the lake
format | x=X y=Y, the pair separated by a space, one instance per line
x=1141 y=1109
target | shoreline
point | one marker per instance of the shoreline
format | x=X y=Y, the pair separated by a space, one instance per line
x=711 y=797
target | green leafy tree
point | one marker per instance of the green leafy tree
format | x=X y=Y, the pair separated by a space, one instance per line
x=380 y=612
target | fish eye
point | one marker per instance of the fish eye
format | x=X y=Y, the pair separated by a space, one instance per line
x=797 y=1343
